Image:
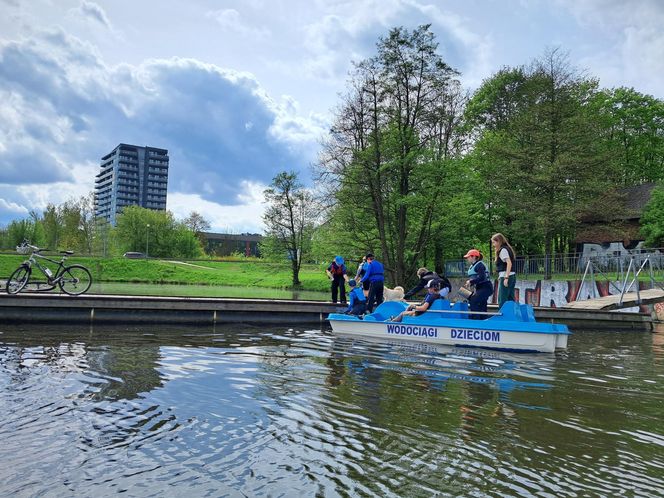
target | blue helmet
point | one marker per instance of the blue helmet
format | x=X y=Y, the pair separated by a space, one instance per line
x=352 y=282
x=339 y=260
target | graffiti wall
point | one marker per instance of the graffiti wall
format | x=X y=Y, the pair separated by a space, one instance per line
x=557 y=293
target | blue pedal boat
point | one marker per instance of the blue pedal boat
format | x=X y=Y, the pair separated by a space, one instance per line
x=513 y=328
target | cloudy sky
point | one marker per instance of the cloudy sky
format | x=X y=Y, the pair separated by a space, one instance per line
x=240 y=90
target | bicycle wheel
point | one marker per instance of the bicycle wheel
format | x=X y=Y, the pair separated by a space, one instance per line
x=18 y=279
x=75 y=280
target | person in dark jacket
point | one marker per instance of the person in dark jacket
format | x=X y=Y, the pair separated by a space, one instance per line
x=433 y=293
x=425 y=277
x=376 y=278
x=358 y=301
x=337 y=274
x=478 y=277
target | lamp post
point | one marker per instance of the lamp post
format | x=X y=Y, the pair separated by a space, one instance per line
x=147 y=240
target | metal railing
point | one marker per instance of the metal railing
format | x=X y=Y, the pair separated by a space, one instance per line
x=622 y=286
x=574 y=265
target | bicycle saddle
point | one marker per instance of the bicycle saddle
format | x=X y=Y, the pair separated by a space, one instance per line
x=68 y=253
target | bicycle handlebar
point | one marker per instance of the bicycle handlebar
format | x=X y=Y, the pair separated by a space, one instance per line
x=37 y=249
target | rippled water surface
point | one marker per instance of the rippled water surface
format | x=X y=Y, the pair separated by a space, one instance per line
x=245 y=411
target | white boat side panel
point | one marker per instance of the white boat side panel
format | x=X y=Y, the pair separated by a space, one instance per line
x=453 y=336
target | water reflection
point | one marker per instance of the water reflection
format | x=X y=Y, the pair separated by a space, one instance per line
x=431 y=367
x=241 y=410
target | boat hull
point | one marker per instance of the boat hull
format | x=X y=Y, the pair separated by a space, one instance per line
x=509 y=330
x=467 y=336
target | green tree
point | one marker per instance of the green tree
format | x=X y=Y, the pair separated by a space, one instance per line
x=633 y=134
x=29 y=229
x=52 y=222
x=185 y=242
x=103 y=239
x=154 y=232
x=383 y=166
x=652 y=219
x=289 y=219
x=542 y=162
x=197 y=224
x=77 y=224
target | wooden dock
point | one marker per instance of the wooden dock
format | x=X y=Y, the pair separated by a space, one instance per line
x=612 y=302
x=109 y=309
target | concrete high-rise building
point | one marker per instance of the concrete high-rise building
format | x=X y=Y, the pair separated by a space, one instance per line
x=131 y=175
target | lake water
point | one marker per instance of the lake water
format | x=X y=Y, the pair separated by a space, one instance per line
x=246 y=411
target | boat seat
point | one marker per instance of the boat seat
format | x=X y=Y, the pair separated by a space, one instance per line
x=440 y=305
x=510 y=312
x=527 y=313
x=385 y=310
x=458 y=306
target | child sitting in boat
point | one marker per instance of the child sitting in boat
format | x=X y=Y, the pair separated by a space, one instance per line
x=358 y=301
x=433 y=293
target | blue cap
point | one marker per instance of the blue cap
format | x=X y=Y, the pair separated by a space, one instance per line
x=339 y=260
x=352 y=282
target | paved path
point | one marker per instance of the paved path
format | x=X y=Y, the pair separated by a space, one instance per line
x=191 y=264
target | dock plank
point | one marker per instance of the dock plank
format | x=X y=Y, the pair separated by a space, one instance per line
x=612 y=302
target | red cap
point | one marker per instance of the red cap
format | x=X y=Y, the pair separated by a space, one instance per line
x=473 y=252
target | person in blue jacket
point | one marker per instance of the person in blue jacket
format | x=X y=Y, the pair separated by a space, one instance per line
x=478 y=276
x=358 y=301
x=376 y=278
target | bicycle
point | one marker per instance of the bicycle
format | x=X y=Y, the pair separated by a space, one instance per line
x=73 y=279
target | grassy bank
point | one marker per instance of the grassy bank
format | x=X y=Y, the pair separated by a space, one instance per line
x=231 y=273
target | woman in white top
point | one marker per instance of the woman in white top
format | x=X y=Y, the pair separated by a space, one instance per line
x=505 y=264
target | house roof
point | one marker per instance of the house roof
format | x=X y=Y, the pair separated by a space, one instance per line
x=636 y=197
x=599 y=233
x=622 y=204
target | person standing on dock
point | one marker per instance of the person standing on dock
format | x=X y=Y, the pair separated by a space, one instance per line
x=376 y=278
x=505 y=264
x=337 y=274
x=478 y=276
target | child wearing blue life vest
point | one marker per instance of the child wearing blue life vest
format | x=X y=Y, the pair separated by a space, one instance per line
x=358 y=301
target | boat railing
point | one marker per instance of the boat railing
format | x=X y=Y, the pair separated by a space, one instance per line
x=491 y=313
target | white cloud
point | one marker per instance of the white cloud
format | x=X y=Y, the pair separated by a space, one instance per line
x=62 y=108
x=233 y=218
x=12 y=207
x=633 y=54
x=477 y=49
x=230 y=19
x=93 y=11
x=350 y=31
